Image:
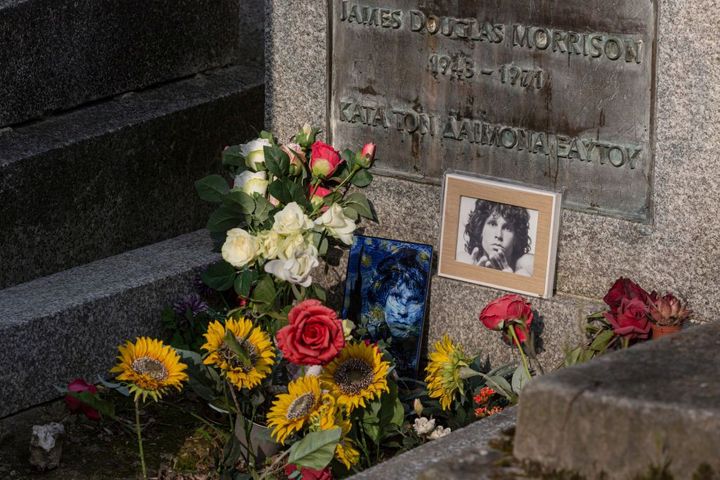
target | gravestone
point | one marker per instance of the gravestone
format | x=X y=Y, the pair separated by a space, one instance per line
x=554 y=97
x=637 y=77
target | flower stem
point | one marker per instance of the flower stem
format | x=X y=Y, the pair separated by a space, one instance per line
x=352 y=173
x=139 y=438
x=522 y=354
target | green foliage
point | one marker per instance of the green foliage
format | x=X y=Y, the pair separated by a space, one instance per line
x=212 y=188
x=185 y=330
x=362 y=178
x=358 y=202
x=232 y=157
x=219 y=276
x=316 y=449
x=93 y=400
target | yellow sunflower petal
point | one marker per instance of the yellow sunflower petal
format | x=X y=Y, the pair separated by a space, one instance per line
x=443 y=371
x=291 y=411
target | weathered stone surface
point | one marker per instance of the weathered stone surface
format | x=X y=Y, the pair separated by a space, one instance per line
x=69 y=324
x=677 y=252
x=59 y=54
x=626 y=411
x=432 y=460
x=46 y=445
x=119 y=174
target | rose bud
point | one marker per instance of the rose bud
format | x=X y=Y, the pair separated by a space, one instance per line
x=508 y=311
x=317 y=196
x=306 y=136
x=324 y=160
x=75 y=405
x=367 y=155
x=297 y=157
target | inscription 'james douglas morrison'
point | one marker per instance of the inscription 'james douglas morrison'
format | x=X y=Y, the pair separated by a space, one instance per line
x=484 y=133
x=555 y=40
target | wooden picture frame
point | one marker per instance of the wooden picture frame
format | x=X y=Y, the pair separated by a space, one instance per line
x=499 y=234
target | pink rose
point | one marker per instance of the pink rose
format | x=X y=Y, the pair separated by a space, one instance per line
x=314 y=335
x=367 y=155
x=630 y=319
x=75 y=405
x=297 y=157
x=506 y=311
x=324 y=160
x=318 y=194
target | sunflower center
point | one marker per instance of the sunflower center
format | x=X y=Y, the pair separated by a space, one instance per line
x=236 y=362
x=353 y=376
x=151 y=367
x=301 y=406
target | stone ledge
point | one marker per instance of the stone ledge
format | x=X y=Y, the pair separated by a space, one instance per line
x=118 y=175
x=469 y=444
x=65 y=53
x=626 y=411
x=69 y=324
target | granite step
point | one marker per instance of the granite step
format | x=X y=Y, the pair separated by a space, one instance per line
x=57 y=54
x=652 y=405
x=69 y=324
x=117 y=175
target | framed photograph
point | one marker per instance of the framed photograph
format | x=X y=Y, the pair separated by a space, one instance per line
x=499 y=235
x=386 y=293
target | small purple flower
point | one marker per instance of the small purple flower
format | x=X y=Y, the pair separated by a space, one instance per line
x=191 y=302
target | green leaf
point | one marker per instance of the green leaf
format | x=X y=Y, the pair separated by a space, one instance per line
x=219 y=276
x=231 y=156
x=360 y=204
x=316 y=449
x=264 y=291
x=243 y=282
x=279 y=189
x=262 y=209
x=267 y=136
x=351 y=213
x=93 y=400
x=316 y=291
x=323 y=247
x=212 y=188
x=362 y=178
x=519 y=379
x=224 y=218
x=241 y=201
x=298 y=195
x=601 y=341
x=237 y=348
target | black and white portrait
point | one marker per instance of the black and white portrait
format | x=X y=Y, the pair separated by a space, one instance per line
x=496 y=235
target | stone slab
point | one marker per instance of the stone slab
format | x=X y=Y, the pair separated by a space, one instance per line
x=620 y=414
x=555 y=95
x=677 y=251
x=118 y=175
x=69 y=324
x=60 y=54
x=432 y=460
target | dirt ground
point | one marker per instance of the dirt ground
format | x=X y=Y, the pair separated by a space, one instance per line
x=98 y=450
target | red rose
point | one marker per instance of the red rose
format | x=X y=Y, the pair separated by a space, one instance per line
x=508 y=310
x=622 y=289
x=630 y=319
x=75 y=405
x=324 y=160
x=309 y=473
x=314 y=335
x=318 y=194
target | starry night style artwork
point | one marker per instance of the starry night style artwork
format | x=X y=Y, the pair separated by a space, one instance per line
x=386 y=292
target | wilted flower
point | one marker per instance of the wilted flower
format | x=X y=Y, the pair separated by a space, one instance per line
x=424 y=426
x=192 y=303
x=439 y=432
x=668 y=311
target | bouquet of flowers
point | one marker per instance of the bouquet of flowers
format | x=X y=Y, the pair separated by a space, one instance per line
x=285 y=206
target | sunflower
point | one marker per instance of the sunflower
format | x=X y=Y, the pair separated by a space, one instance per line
x=330 y=415
x=443 y=371
x=290 y=411
x=356 y=375
x=248 y=372
x=149 y=367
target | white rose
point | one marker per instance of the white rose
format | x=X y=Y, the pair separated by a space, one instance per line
x=240 y=248
x=336 y=224
x=424 y=425
x=254 y=153
x=269 y=244
x=252 y=182
x=288 y=245
x=297 y=269
x=439 y=432
x=291 y=219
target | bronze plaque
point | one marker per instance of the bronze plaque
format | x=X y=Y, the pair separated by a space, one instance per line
x=551 y=93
